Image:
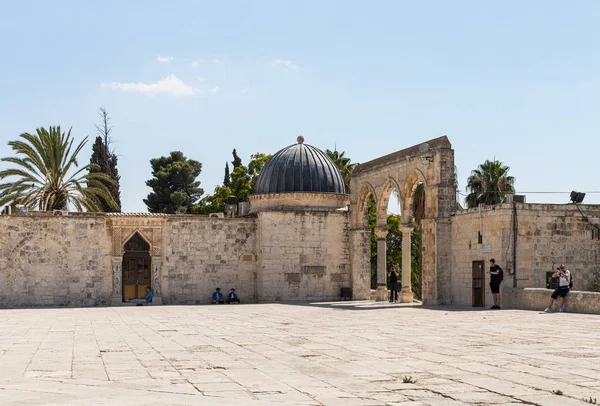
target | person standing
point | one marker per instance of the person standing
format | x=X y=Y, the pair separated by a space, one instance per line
x=393 y=280
x=564 y=285
x=496 y=276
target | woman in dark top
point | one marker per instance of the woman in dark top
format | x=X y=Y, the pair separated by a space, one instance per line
x=393 y=275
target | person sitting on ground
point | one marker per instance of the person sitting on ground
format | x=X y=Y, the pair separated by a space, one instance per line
x=232 y=297
x=564 y=284
x=146 y=299
x=217 y=297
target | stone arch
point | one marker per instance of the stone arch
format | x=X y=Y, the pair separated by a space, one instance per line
x=383 y=202
x=143 y=237
x=365 y=191
x=431 y=163
x=410 y=185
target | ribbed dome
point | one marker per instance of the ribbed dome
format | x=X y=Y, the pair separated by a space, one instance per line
x=300 y=168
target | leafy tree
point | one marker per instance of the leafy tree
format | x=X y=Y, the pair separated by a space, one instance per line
x=240 y=183
x=371 y=224
x=344 y=164
x=227 y=179
x=257 y=161
x=237 y=161
x=214 y=203
x=48 y=177
x=394 y=241
x=105 y=161
x=415 y=259
x=489 y=184
x=174 y=185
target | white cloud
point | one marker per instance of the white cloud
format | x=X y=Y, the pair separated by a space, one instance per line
x=164 y=59
x=170 y=85
x=202 y=79
x=215 y=89
x=244 y=90
x=196 y=63
x=216 y=60
x=285 y=63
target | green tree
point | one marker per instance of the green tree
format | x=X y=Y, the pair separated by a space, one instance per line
x=227 y=179
x=214 y=203
x=105 y=161
x=237 y=161
x=47 y=175
x=174 y=185
x=393 y=241
x=240 y=183
x=489 y=184
x=371 y=224
x=344 y=164
x=257 y=162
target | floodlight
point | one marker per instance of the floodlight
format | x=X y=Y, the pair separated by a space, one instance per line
x=577 y=197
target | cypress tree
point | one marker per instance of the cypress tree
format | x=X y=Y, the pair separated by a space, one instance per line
x=227 y=180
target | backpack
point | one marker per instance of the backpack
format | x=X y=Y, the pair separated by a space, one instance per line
x=570 y=280
x=501 y=275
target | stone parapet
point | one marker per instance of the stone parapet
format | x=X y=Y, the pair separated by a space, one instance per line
x=537 y=299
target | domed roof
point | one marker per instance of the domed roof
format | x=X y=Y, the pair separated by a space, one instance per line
x=300 y=168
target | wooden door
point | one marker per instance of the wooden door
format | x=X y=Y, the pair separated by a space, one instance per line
x=478 y=284
x=136 y=275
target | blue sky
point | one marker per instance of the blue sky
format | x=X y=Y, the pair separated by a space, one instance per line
x=515 y=80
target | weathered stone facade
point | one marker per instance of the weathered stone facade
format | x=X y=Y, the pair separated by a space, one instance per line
x=297 y=246
x=547 y=235
x=76 y=260
x=303 y=255
x=54 y=261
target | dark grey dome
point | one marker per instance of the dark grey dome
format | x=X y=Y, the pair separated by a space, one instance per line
x=300 y=168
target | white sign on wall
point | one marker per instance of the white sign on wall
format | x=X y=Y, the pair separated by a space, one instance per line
x=487 y=249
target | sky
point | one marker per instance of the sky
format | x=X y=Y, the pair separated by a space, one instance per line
x=513 y=80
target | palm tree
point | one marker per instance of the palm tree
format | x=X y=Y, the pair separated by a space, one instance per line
x=46 y=175
x=344 y=165
x=489 y=184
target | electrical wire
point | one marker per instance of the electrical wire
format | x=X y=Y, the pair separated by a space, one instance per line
x=530 y=193
x=586 y=218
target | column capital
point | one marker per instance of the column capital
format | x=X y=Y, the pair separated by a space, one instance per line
x=381 y=234
x=404 y=228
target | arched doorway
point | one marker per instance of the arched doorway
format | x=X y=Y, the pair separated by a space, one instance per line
x=136 y=267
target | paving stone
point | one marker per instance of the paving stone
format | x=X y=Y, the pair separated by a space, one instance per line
x=279 y=354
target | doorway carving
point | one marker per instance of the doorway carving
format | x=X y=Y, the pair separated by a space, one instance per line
x=137 y=266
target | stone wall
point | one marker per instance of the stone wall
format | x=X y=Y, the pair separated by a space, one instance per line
x=547 y=235
x=537 y=299
x=303 y=255
x=54 y=261
x=202 y=253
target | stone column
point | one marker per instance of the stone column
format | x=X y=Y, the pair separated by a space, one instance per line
x=406 y=293
x=360 y=262
x=117 y=297
x=381 y=294
x=156 y=279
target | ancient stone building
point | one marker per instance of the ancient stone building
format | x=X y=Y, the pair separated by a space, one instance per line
x=305 y=240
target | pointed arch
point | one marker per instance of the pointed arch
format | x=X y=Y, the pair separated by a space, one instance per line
x=141 y=235
x=366 y=190
x=410 y=185
x=382 y=204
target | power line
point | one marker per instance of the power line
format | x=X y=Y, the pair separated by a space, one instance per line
x=529 y=193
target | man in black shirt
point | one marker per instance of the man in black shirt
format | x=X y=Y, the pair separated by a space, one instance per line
x=496 y=276
x=393 y=275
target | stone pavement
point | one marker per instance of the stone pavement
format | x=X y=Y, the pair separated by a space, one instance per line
x=347 y=353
